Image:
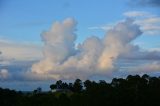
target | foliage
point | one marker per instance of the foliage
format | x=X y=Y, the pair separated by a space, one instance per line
x=132 y=91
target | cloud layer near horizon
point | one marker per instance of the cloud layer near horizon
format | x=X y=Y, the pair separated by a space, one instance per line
x=12 y=51
x=95 y=56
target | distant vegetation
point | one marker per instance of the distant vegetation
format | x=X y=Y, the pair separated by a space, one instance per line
x=132 y=91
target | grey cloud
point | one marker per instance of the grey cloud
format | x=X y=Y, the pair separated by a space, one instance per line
x=135 y=53
x=16 y=69
x=151 y=3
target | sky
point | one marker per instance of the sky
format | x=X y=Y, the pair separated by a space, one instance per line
x=42 y=41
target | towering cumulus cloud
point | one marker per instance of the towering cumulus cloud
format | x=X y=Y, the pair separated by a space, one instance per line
x=58 y=46
x=62 y=60
x=117 y=41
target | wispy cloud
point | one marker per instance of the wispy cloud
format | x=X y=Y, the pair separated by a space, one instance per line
x=11 y=50
x=149 y=23
x=147 y=68
x=137 y=14
x=105 y=28
x=149 y=3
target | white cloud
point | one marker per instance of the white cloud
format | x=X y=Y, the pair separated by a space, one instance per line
x=137 y=14
x=104 y=27
x=63 y=59
x=149 y=23
x=93 y=56
x=19 y=51
x=4 y=74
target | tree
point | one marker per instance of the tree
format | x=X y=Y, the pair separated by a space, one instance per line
x=145 y=76
x=38 y=90
x=64 y=86
x=53 y=86
x=77 y=85
x=59 y=84
x=87 y=84
x=70 y=86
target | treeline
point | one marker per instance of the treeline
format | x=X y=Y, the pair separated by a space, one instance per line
x=133 y=91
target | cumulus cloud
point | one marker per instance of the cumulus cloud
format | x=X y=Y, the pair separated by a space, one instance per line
x=63 y=59
x=122 y=34
x=94 y=56
x=4 y=74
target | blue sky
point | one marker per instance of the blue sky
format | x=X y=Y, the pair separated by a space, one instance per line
x=23 y=21
x=26 y=19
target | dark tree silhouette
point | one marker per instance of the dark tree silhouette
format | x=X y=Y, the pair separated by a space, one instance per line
x=77 y=86
x=38 y=90
x=135 y=90
x=59 y=84
x=53 y=86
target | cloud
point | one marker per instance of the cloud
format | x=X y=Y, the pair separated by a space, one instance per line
x=63 y=59
x=105 y=28
x=17 y=70
x=142 y=55
x=147 y=68
x=122 y=34
x=149 y=3
x=149 y=23
x=4 y=74
x=19 y=51
x=17 y=57
x=136 y=14
x=94 y=56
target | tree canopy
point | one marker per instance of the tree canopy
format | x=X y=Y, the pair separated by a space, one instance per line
x=135 y=90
